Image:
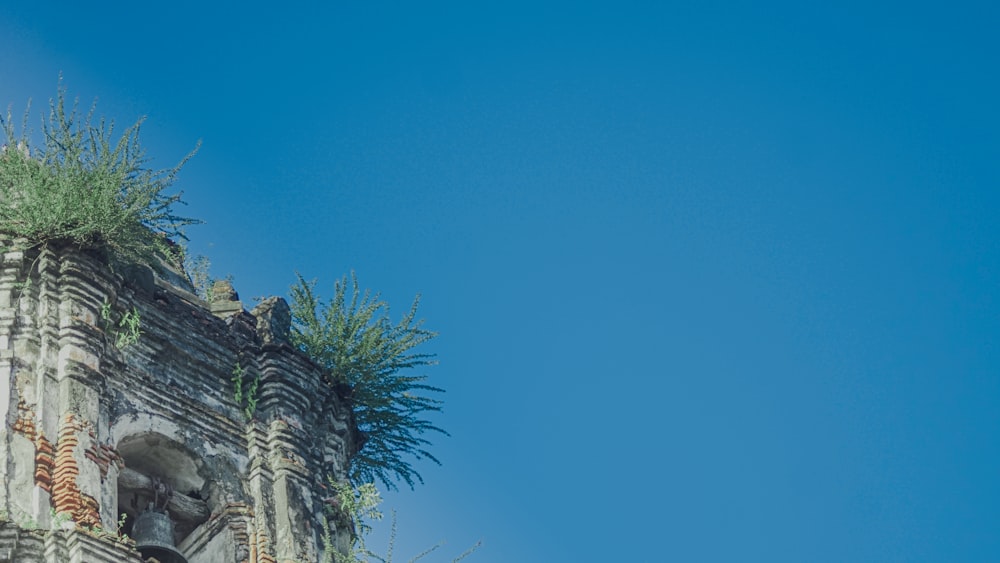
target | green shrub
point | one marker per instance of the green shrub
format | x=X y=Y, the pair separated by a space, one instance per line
x=353 y=337
x=81 y=185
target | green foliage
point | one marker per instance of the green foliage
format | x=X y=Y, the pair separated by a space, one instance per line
x=198 y=272
x=359 y=507
x=353 y=337
x=198 y=269
x=127 y=330
x=82 y=186
x=245 y=390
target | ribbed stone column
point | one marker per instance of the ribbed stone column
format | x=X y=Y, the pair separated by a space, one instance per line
x=259 y=481
x=83 y=289
x=30 y=333
x=11 y=286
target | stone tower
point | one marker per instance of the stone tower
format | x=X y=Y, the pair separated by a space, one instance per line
x=122 y=389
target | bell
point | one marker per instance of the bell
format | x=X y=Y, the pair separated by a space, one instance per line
x=153 y=532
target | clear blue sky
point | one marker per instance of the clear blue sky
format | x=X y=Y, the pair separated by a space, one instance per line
x=713 y=283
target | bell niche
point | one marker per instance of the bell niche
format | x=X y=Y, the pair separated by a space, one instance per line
x=160 y=495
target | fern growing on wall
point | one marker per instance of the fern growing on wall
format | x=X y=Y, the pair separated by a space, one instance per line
x=80 y=184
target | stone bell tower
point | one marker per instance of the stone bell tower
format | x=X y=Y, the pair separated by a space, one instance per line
x=129 y=404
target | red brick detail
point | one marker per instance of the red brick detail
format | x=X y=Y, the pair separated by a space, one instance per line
x=104 y=456
x=246 y=551
x=263 y=551
x=66 y=494
x=44 y=453
x=25 y=423
x=45 y=461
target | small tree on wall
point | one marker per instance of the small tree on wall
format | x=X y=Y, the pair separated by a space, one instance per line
x=353 y=337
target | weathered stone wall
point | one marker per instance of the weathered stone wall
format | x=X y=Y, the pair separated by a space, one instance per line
x=96 y=428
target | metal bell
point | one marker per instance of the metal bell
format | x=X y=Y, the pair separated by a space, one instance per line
x=153 y=532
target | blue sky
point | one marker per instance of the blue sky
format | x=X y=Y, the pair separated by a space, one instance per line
x=713 y=283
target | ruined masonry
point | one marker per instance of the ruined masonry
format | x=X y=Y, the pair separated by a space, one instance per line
x=210 y=415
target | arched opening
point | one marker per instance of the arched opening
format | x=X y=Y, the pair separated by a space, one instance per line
x=162 y=473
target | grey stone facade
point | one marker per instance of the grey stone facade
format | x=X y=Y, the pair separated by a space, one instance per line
x=95 y=427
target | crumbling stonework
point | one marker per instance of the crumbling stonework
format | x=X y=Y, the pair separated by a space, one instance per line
x=210 y=413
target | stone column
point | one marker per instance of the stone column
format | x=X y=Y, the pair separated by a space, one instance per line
x=295 y=512
x=11 y=288
x=78 y=474
x=260 y=481
x=30 y=332
x=290 y=388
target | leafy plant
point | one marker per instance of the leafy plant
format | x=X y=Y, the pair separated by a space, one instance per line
x=353 y=337
x=58 y=518
x=127 y=330
x=198 y=269
x=198 y=272
x=359 y=507
x=245 y=391
x=82 y=186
